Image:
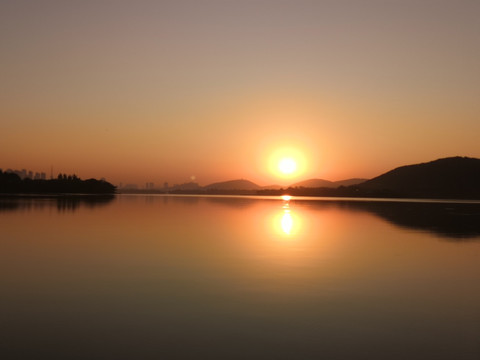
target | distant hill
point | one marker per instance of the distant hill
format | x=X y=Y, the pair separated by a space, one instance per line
x=317 y=183
x=272 y=187
x=240 y=184
x=314 y=183
x=350 y=182
x=449 y=178
x=248 y=185
x=453 y=177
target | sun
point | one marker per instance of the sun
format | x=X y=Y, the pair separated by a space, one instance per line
x=287 y=162
x=287 y=165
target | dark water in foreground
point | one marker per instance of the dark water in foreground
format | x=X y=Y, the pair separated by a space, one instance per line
x=157 y=277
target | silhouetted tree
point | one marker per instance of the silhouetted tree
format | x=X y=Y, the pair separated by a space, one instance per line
x=11 y=183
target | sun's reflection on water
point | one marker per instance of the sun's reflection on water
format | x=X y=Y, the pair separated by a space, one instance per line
x=287 y=223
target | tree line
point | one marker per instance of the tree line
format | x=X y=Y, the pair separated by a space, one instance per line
x=11 y=183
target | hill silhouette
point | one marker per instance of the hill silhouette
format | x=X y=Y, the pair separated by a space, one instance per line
x=317 y=183
x=448 y=178
x=243 y=184
x=240 y=184
x=314 y=183
x=453 y=177
x=349 y=182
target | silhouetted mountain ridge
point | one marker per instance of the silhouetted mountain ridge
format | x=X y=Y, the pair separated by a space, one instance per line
x=453 y=177
x=239 y=184
x=447 y=178
x=317 y=183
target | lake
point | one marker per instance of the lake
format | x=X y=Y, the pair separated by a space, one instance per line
x=186 y=277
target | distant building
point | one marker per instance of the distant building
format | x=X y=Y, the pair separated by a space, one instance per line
x=24 y=174
x=149 y=186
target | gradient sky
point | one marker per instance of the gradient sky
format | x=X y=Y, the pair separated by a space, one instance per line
x=138 y=91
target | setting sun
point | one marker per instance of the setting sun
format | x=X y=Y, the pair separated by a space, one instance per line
x=287 y=162
x=287 y=165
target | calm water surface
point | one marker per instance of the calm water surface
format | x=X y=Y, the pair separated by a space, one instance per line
x=164 y=277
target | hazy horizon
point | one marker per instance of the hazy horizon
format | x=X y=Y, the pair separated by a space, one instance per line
x=171 y=91
x=158 y=184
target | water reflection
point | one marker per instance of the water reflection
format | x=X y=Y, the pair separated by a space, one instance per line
x=449 y=220
x=287 y=222
x=203 y=277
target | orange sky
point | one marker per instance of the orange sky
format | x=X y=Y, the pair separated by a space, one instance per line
x=165 y=90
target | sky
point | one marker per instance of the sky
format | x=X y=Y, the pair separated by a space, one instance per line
x=170 y=91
